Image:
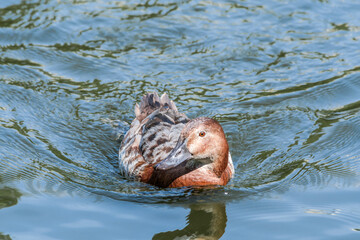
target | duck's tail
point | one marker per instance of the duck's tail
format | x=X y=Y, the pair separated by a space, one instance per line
x=151 y=102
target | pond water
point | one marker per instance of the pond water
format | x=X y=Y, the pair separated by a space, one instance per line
x=282 y=77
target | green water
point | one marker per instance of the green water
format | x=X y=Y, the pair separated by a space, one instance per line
x=282 y=77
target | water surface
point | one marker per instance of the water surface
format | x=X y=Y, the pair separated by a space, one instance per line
x=282 y=77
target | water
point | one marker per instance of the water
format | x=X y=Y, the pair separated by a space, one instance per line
x=282 y=77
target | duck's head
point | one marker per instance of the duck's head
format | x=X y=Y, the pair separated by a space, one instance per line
x=201 y=142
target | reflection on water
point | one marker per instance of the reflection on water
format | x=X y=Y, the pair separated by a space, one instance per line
x=9 y=197
x=4 y=237
x=205 y=221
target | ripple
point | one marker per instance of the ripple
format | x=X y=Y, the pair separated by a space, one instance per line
x=282 y=80
x=260 y=167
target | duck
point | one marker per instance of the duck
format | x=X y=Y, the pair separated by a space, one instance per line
x=163 y=147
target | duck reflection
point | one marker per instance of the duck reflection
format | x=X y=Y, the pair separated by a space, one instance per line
x=205 y=221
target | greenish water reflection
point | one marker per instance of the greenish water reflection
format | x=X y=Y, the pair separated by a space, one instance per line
x=205 y=221
x=4 y=237
x=9 y=197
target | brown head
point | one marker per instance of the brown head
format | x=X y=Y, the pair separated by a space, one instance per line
x=202 y=142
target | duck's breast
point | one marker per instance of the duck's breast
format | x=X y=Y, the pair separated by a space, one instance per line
x=204 y=176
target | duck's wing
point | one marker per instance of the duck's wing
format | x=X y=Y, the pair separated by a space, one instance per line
x=152 y=135
x=152 y=102
x=160 y=134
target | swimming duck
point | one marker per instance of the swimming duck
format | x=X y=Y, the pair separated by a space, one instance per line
x=165 y=148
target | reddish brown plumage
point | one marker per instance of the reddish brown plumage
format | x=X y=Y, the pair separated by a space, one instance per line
x=163 y=147
x=198 y=178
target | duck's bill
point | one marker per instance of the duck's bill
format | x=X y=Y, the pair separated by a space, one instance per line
x=179 y=155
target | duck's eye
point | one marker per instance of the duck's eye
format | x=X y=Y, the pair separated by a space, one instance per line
x=202 y=134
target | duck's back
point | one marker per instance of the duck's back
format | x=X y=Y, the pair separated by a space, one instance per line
x=152 y=135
